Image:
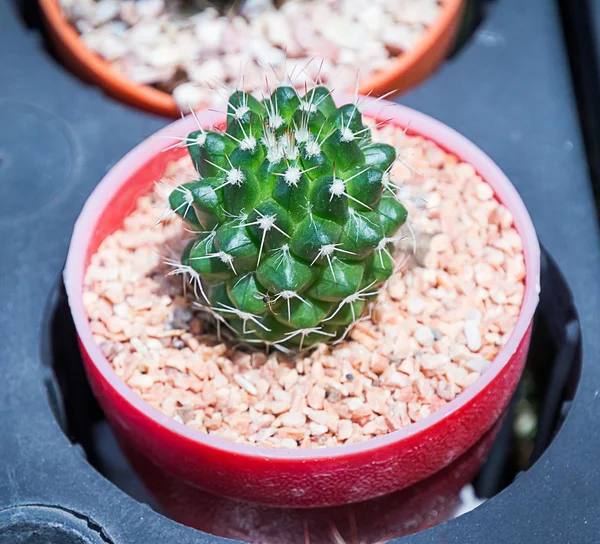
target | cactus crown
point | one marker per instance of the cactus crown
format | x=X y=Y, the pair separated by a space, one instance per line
x=294 y=226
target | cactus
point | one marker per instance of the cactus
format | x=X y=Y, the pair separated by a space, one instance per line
x=294 y=225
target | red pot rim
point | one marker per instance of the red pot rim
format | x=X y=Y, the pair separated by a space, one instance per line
x=420 y=124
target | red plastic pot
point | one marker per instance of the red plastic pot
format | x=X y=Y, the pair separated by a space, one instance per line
x=303 y=478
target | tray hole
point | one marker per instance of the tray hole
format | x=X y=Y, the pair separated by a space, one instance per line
x=544 y=396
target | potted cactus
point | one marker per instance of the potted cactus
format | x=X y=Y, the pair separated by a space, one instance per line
x=295 y=222
x=295 y=226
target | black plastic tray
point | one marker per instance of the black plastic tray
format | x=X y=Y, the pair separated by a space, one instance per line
x=509 y=90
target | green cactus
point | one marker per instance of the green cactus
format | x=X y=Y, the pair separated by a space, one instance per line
x=295 y=228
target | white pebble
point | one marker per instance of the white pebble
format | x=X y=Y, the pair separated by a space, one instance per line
x=278 y=30
x=474 y=315
x=111 y=47
x=263 y=434
x=245 y=384
x=399 y=38
x=415 y=305
x=121 y=310
x=473 y=336
x=149 y=9
x=145 y=75
x=207 y=72
x=398 y=379
x=371 y=18
x=433 y=361
x=347 y=56
x=354 y=404
x=141 y=381
x=263 y=52
x=421 y=12
x=138 y=345
x=293 y=419
x=209 y=33
x=147 y=33
x=163 y=56
x=478 y=365
x=424 y=336
x=498 y=296
x=344 y=429
x=343 y=32
x=105 y=11
x=317 y=416
x=316 y=429
x=484 y=191
x=397 y=287
x=252 y=8
x=188 y=94
x=281 y=396
x=154 y=344
x=89 y=297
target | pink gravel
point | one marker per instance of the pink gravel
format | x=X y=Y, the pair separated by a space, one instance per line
x=435 y=328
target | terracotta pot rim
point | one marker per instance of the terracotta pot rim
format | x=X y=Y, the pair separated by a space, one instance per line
x=158 y=101
x=420 y=124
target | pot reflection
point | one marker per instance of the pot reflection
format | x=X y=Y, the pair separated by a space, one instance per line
x=398 y=514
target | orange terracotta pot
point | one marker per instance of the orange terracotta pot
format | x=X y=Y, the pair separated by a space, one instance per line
x=406 y=71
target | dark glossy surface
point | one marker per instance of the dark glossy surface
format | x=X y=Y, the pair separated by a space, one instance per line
x=404 y=512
